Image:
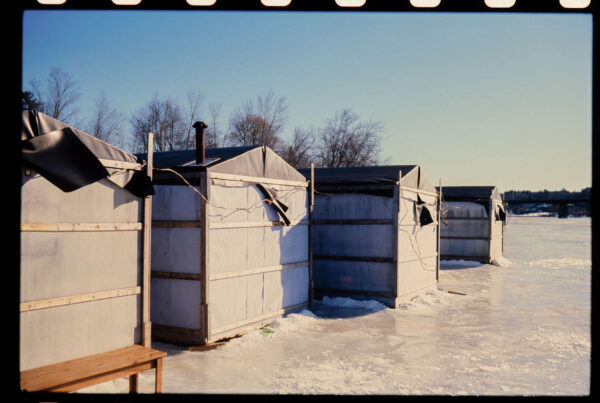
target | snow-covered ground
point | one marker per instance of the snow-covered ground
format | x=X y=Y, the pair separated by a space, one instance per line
x=522 y=327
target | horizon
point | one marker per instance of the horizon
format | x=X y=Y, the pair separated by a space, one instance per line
x=475 y=99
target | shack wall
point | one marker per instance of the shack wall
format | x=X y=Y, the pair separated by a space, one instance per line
x=257 y=268
x=353 y=245
x=65 y=257
x=417 y=250
x=466 y=234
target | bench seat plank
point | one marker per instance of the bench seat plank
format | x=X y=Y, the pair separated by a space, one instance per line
x=86 y=371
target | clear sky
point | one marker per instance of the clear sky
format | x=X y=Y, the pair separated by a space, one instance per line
x=476 y=99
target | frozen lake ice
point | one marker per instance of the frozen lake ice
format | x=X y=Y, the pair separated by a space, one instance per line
x=522 y=327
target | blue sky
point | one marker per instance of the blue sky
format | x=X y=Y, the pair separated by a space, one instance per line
x=475 y=99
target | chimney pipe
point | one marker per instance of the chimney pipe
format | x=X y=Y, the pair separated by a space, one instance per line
x=199 y=126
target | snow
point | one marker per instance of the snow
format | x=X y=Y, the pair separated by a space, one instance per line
x=520 y=326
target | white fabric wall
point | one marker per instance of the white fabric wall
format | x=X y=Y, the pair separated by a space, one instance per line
x=242 y=249
x=62 y=264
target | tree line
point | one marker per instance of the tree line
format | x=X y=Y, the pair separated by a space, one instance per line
x=342 y=140
x=562 y=194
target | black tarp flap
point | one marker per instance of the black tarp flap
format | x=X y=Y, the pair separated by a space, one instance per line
x=70 y=158
x=425 y=216
x=62 y=159
x=271 y=196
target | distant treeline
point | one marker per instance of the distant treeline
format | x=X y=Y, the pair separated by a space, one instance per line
x=546 y=194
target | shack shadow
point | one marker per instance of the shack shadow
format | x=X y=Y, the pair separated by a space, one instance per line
x=459 y=264
x=327 y=311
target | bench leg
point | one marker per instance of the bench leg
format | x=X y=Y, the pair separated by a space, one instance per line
x=133 y=383
x=158 y=379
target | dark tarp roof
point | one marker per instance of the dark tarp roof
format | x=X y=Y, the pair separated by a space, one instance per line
x=470 y=193
x=256 y=161
x=361 y=177
x=70 y=158
x=171 y=159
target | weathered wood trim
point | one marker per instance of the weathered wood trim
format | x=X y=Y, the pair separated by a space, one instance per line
x=311 y=206
x=135 y=166
x=176 y=275
x=258 y=318
x=254 y=224
x=256 y=179
x=353 y=222
x=147 y=248
x=468 y=218
x=176 y=224
x=324 y=290
x=80 y=227
x=395 y=238
x=413 y=190
x=467 y=237
x=258 y=270
x=355 y=258
x=205 y=320
x=77 y=299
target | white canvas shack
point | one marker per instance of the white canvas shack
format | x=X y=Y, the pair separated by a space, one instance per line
x=473 y=223
x=231 y=254
x=374 y=233
x=82 y=289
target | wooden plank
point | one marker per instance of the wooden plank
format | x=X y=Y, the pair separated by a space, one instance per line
x=353 y=222
x=439 y=232
x=323 y=290
x=176 y=275
x=176 y=224
x=258 y=318
x=81 y=372
x=258 y=270
x=204 y=258
x=77 y=299
x=394 y=240
x=256 y=179
x=355 y=258
x=135 y=166
x=80 y=227
x=254 y=224
x=310 y=233
x=147 y=247
x=413 y=190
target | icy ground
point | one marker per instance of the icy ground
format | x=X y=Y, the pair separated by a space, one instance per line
x=522 y=328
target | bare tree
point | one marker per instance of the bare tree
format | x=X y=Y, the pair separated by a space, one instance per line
x=195 y=100
x=213 y=132
x=60 y=95
x=260 y=123
x=345 y=141
x=106 y=122
x=165 y=120
x=299 y=152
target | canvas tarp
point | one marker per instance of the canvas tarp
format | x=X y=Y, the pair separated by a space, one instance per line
x=70 y=158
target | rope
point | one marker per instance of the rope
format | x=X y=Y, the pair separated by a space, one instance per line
x=233 y=209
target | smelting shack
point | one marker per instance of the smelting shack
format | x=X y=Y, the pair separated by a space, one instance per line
x=374 y=233
x=229 y=242
x=83 y=252
x=473 y=224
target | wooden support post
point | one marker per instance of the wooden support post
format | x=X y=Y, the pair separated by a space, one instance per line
x=204 y=258
x=396 y=220
x=146 y=324
x=439 y=230
x=310 y=234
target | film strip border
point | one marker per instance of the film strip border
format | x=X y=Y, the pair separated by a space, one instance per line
x=325 y=5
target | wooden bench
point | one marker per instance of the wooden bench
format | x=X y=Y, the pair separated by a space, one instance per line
x=79 y=373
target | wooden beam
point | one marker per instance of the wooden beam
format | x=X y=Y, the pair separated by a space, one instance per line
x=258 y=270
x=135 y=166
x=175 y=275
x=256 y=179
x=355 y=258
x=254 y=224
x=77 y=299
x=80 y=227
x=258 y=318
x=146 y=257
